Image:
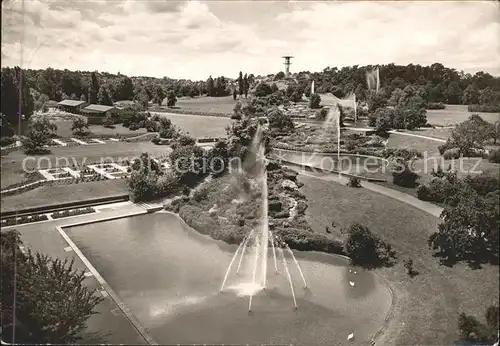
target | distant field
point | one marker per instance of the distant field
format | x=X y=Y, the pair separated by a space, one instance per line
x=454 y=114
x=206 y=104
x=199 y=125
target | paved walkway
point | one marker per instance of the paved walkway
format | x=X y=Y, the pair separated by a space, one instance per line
x=113 y=324
x=400 y=196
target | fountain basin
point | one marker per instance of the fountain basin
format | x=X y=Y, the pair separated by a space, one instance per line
x=169 y=277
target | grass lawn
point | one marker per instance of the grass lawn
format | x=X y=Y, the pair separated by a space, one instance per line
x=64 y=130
x=427 y=306
x=424 y=145
x=454 y=114
x=12 y=164
x=441 y=133
x=46 y=195
x=199 y=125
x=206 y=104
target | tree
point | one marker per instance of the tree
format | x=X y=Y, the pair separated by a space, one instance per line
x=486 y=96
x=453 y=94
x=188 y=163
x=279 y=120
x=235 y=94
x=39 y=133
x=83 y=97
x=470 y=134
x=241 y=84
x=314 y=101
x=167 y=130
x=124 y=89
x=263 y=89
x=237 y=111
x=103 y=97
x=365 y=248
x=13 y=89
x=52 y=300
x=218 y=158
x=94 y=88
x=210 y=86
x=375 y=101
x=471 y=95
x=279 y=76
x=246 y=85
x=159 y=95
x=143 y=99
x=171 y=99
x=80 y=126
x=470 y=228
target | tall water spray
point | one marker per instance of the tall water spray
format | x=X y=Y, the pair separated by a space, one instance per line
x=256 y=243
x=333 y=121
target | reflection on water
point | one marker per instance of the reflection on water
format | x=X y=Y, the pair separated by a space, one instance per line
x=170 y=279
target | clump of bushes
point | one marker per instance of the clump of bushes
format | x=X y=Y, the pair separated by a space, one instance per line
x=435 y=105
x=5 y=141
x=487 y=108
x=365 y=248
x=72 y=212
x=23 y=219
x=473 y=331
x=494 y=156
x=403 y=175
x=354 y=182
x=451 y=154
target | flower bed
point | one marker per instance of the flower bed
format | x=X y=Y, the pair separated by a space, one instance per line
x=72 y=212
x=23 y=219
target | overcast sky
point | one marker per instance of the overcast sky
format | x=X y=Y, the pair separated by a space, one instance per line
x=192 y=39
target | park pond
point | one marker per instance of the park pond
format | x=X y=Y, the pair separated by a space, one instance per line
x=169 y=276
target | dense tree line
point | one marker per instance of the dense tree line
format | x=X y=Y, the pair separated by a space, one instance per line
x=440 y=83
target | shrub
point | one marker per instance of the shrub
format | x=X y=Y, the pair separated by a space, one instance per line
x=451 y=154
x=354 y=182
x=435 y=105
x=80 y=126
x=156 y=141
x=314 y=101
x=197 y=219
x=365 y=248
x=5 y=141
x=321 y=114
x=488 y=108
x=424 y=193
x=448 y=145
x=402 y=175
x=133 y=127
x=151 y=126
x=494 y=156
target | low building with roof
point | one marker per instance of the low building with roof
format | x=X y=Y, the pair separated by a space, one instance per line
x=96 y=113
x=99 y=110
x=71 y=106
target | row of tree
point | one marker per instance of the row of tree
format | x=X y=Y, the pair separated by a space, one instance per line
x=441 y=84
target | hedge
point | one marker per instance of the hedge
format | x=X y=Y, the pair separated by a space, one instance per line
x=23 y=219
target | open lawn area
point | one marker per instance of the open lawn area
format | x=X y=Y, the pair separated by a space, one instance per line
x=12 y=164
x=199 y=126
x=205 y=104
x=426 y=306
x=46 y=195
x=401 y=141
x=454 y=114
x=441 y=133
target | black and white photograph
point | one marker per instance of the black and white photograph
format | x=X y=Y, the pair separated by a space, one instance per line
x=250 y=172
